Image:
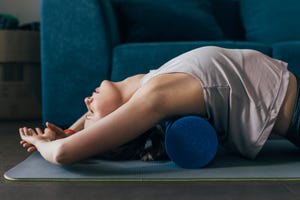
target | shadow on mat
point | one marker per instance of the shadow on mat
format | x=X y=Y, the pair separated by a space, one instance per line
x=273 y=153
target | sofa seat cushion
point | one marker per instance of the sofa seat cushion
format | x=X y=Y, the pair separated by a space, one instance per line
x=288 y=52
x=271 y=21
x=131 y=59
x=167 y=20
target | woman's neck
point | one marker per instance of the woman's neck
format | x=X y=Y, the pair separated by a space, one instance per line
x=129 y=86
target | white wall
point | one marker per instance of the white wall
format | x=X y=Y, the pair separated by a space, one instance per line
x=25 y=10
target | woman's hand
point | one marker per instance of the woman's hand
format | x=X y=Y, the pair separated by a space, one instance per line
x=51 y=132
x=30 y=147
x=38 y=140
x=30 y=138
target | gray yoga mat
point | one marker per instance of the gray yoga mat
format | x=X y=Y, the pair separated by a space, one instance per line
x=279 y=160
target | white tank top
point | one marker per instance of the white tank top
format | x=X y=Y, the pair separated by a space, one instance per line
x=243 y=92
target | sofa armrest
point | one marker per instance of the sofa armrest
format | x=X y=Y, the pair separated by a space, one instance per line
x=77 y=37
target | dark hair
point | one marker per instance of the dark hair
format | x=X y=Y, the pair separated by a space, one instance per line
x=148 y=146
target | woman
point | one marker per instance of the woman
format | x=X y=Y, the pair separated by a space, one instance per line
x=245 y=94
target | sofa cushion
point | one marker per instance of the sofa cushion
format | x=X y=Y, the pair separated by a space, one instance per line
x=167 y=20
x=75 y=57
x=288 y=52
x=271 y=21
x=227 y=13
x=131 y=59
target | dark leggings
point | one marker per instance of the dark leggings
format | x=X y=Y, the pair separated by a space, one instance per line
x=293 y=133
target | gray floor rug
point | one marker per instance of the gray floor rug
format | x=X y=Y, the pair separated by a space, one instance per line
x=279 y=160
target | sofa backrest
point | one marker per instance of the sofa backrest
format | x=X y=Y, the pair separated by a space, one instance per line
x=227 y=13
x=178 y=20
x=271 y=21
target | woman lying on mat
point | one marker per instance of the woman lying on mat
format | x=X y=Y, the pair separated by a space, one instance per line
x=244 y=94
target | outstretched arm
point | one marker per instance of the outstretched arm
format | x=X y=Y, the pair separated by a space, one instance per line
x=53 y=132
x=122 y=125
x=164 y=96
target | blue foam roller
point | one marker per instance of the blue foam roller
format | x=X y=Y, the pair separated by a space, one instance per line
x=191 y=142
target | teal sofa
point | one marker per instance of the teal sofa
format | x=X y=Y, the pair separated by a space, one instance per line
x=87 y=41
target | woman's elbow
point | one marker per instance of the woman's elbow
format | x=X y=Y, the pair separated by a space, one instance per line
x=61 y=156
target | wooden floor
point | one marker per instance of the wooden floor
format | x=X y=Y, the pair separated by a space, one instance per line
x=11 y=154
